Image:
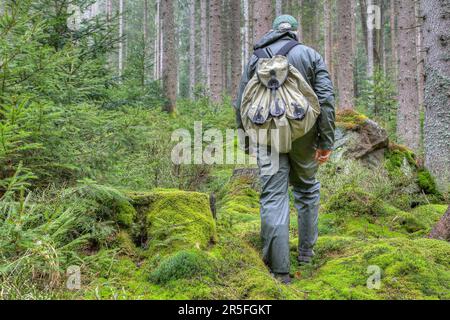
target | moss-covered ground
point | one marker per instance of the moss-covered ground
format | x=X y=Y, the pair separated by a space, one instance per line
x=372 y=223
x=188 y=255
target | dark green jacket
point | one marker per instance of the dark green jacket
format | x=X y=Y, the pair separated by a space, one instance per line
x=312 y=66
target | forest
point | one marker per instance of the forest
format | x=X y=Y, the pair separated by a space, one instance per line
x=93 y=207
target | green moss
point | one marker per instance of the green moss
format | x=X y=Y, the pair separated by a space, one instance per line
x=410 y=269
x=179 y=220
x=125 y=243
x=397 y=157
x=182 y=265
x=350 y=119
x=126 y=214
x=426 y=182
x=352 y=201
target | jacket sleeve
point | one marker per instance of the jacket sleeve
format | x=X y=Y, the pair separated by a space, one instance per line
x=245 y=79
x=323 y=88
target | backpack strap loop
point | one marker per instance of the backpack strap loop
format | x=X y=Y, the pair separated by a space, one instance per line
x=284 y=51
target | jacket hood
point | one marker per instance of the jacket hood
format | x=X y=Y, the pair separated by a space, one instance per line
x=273 y=36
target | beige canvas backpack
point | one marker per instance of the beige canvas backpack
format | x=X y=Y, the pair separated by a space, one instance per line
x=278 y=97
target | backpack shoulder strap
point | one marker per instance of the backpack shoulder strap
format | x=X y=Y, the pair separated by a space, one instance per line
x=284 y=51
x=261 y=54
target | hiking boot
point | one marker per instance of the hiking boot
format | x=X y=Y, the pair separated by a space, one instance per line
x=305 y=258
x=284 y=278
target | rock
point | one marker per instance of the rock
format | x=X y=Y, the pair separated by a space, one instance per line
x=360 y=138
x=178 y=219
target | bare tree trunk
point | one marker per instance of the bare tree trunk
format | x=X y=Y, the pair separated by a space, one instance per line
x=382 y=37
x=363 y=11
x=121 y=35
x=369 y=41
x=246 y=46
x=262 y=18
x=215 y=15
x=226 y=46
x=156 y=63
x=192 y=34
x=315 y=28
x=436 y=36
x=408 y=122
x=204 y=41
x=300 y=21
x=170 y=65
x=109 y=10
x=441 y=230
x=145 y=48
x=235 y=37
x=345 y=56
x=394 y=49
x=419 y=53
x=278 y=7
x=328 y=34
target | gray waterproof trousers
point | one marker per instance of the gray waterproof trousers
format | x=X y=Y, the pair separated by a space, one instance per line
x=299 y=169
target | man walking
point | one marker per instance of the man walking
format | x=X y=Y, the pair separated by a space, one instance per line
x=299 y=166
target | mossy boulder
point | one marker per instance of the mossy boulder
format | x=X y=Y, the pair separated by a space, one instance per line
x=178 y=220
x=410 y=269
x=359 y=138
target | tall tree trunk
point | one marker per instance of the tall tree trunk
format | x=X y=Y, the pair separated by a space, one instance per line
x=215 y=15
x=204 y=41
x=146 y=44
x=156 y=60
x=345 y=56
x=419 y=53
x=315 y=27
x=441 y=230
x=408 y=122
x=226 y=45
x=436 y=36
x=235 y=37
x=382 y=37
x=170 y=65
x=369 y=39
x=393 y=26
x=300 y=21
x=328 y=34
x=246 y=45
x=109 y=10
x=121 y=35
x=192 y=60
x=363 y=13
x=262 y=18
x=278 y=7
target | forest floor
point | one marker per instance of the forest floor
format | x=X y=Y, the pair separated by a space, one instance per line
x=169 y=244
x=199 y=258
x=373 y=225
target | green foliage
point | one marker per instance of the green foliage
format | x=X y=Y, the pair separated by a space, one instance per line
x=377 y=98
x=182 y=265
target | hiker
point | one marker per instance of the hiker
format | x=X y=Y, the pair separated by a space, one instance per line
x=299 y=165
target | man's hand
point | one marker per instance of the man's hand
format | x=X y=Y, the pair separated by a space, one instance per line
x=322 y=156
